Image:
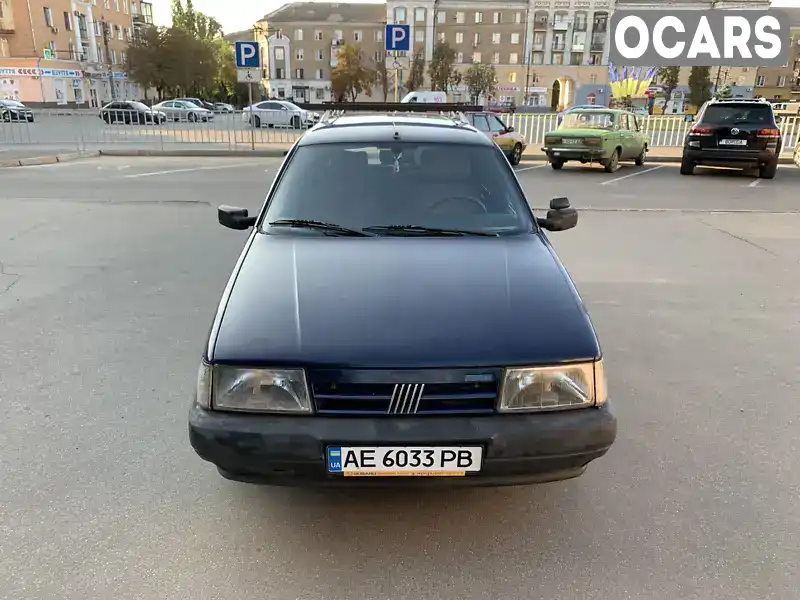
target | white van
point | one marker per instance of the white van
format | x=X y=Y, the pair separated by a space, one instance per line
x=425 y=97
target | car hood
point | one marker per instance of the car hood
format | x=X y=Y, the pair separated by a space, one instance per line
x=411 y=302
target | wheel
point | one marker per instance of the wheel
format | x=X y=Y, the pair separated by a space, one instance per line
x=7 y=117
x=687 y=167
x=255 y=122
x=192 y=117
x=796 y=157
x=557 y=164
x=107 y=119
x=516 y=154
x=612 y=164
x=296 y=122
x=768 y=170
x=639 y=161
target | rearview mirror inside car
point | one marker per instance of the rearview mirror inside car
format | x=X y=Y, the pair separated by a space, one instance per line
x=560 y=217
x=233 y=217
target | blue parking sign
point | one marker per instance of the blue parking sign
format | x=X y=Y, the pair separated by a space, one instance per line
x=248 y=55
x=398 y=38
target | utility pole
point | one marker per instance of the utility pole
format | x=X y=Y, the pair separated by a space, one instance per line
x=105 y=27
x=528 y=58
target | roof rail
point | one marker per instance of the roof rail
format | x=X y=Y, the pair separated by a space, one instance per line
x=330 y=116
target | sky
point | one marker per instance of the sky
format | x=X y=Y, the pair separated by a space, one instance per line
x=236 y=15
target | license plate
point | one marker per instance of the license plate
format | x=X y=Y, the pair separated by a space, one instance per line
x=573 y=142
x=404 y=461
x=733 y=142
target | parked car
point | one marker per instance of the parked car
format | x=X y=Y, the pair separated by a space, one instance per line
x=425 y=97
x=606 y=136
x=510 y=142
x=198 y=102
x=736 y=133
x=222 y=107
x=13 y=110
x=278 y=113
x=458 y=352
x=131 y=112
x=181 y=110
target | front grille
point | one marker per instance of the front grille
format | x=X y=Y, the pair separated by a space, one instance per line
x=337 y=394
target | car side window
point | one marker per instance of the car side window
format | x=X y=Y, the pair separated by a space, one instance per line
x=623 y=122
x=481 y=123
x=496 y=125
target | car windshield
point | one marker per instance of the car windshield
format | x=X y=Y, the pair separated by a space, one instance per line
x=291 y=106
x=728 y=114
x=426 y=185
x=588 y=120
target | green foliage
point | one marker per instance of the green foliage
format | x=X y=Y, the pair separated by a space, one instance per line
x=724 y=91
x=481 y=80
x=416 y=75
x=351 y=76
x=441 y=69
x=669 y=77
x=700 y=86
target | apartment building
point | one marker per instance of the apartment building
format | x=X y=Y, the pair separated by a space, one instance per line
x=783 y=83
x=68 y=52
x=301 y=41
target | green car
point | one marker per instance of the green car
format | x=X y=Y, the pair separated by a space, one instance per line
x=606 y=136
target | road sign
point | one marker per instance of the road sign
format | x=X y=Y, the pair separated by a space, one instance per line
x=398 y=38
x=247 y=55
x=248 y=75
x=48 y=54
x=398 y=62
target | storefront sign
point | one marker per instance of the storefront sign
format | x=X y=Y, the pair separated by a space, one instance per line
x=36 y=72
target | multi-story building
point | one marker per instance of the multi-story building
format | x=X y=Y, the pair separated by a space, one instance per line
x=783 y=83
x=63 y=52
x=301 y=41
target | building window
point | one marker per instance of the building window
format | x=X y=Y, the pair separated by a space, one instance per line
x=71 y=50
x=319 y=94
x=320 y=74
x=576 y=59
x=114 y=57
x=399 y=15
x=512 y=77
x=781 y=80
x=298 y=35
x=515 y=38
x=116 y=8
x=96 y=25
x=119 y=32
x=495 y=38
x=513 y=58
x=518 y=18
x=378 y=35
x=419 y=15
x=496 y=18
x=279 y=73
x=279 y=53
x=479 y=17
x=476 y=39
x=419 y=35
x=48 y=16
x=101 y=54
x=298 y=73
x=593 y=78
x=441 y=18
x=378 y=56
x=68 y=21
x=358 y=36
x=538 y=58
x=442 y=36
x=107 y=4
x=299 y=55
x=460 y=57
x=338 y=37
x=476 y=57
x=496 y=58
x=124 y=57
x=760 y=80
x=460 y=18
x=558 y=58
x=459 y=37
x=318 y=35
x=320 y=55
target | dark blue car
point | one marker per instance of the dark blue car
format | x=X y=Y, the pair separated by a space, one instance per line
x=398 y=316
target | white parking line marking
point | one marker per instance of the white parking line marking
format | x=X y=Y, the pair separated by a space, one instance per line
x=533 y=167
x=632 y=175
x=755 y=183
x=154 y=173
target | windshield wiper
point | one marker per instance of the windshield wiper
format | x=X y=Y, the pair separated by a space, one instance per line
x=419 y=229
x=320 y=226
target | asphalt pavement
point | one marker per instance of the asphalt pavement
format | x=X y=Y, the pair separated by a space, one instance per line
x=111 y=271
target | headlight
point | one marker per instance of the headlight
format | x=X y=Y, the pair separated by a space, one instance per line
x=253 y=390
x=553 y=388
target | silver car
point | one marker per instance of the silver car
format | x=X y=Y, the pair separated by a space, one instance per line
x=180 y=110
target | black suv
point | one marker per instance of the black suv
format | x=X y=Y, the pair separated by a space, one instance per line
x=735 y=133
x=398 y=315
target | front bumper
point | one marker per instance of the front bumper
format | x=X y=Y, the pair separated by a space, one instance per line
x=290 y=450
x=723 y=157
x=566 y=153
x=21 y=116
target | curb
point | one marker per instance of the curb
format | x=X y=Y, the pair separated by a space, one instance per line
x=268 y=153
x=47 y=160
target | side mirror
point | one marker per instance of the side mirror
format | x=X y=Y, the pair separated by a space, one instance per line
x=510 y=129
x=235 y=218
x=560 y=217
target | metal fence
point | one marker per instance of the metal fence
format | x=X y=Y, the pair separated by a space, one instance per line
x=83 y=130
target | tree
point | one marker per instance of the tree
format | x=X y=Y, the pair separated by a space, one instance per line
x=724 y=91
x=481 y=80
x=350 y=76
x=669 y=77
x=416 y=75
x=699 y=86
x=441 y=69
x=382 y=78
x=197 y=24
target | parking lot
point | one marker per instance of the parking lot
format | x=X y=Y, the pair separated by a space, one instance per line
x=110 y=272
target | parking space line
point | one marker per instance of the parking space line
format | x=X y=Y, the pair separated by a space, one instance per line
x=215 y=168
x=632 y=175
x=533 y=167
x=755 y=183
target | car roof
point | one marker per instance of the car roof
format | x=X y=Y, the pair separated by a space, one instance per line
x=366 y=128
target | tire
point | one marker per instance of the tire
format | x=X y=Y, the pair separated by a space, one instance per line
x=107 y=119
x=557 y=164
x=796 y=157
x=768 y=170
x=639 y=161
x=687 y=168
x=7 y=117
x=295 y=122
x=255 y=122
x=192 y=117
x=611 y=164
x=516 y=155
